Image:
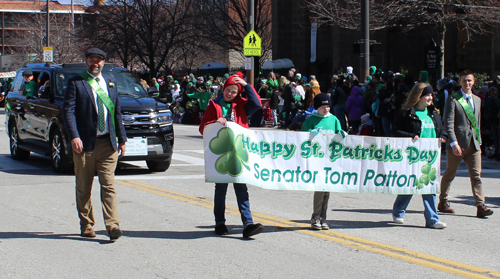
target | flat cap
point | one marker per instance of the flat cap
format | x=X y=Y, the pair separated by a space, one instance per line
x=27 y=73
x=95 y=51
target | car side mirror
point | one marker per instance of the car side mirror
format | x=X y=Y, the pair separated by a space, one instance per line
x=153 y=92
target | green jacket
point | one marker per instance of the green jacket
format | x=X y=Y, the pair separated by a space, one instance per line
x=270 y=83
x=29 y=89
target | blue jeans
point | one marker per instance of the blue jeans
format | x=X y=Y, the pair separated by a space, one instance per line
x=430 y=210
x=241 y=192
x=339 y=112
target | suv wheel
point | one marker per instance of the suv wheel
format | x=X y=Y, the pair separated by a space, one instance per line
x=158 y=166
x=15 y=151
x=60 y=161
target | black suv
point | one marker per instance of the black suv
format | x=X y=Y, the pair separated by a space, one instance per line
x=36 y=124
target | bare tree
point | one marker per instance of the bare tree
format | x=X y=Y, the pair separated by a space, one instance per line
x=224 y=22
x=475 y=17
x=115 y=34
x=190 y=55
x=146 y=29
x=34 y=39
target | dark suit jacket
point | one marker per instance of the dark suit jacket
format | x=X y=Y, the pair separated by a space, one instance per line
x=80 y=114
x=457 y=124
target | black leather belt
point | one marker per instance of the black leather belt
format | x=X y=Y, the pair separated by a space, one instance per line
x=105 y=136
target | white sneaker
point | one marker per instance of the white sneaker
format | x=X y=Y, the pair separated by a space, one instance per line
x=398 y=220
x=324 y=225
x=315 y=224
x=438 y=225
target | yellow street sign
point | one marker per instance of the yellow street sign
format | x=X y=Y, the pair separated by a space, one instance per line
x=252 y=44
x=48 y=48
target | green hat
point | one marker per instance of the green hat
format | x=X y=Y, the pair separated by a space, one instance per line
x=176 y=82
x=190 y=83
x=368 y=77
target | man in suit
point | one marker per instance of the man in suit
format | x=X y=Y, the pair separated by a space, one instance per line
x=93 y=120
x=462 y=120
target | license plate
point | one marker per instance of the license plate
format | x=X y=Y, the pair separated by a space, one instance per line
x=136 y=146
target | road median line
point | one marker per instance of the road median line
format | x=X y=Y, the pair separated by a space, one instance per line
x=410 y=256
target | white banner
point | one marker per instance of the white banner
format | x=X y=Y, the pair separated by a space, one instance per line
x=285 y=160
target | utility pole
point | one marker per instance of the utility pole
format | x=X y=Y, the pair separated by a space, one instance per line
x=72 y=14
x=3 y=33
x=250 y=27
x=48 y=26
x=365 y=40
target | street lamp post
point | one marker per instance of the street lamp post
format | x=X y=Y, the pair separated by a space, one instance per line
x=365 y=39
x=250 y=27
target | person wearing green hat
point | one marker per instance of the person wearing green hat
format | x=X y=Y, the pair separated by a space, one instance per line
x=176 y=90
x=263 y=91
x=372 y=70
x=189 y=90
x=424 y=77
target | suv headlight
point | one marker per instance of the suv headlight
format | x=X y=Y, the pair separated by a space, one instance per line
x=163 y=118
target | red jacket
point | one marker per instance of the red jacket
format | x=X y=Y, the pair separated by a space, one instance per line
x=242 y=108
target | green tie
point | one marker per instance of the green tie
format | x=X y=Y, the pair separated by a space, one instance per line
x=469 y=100
x=100 y=108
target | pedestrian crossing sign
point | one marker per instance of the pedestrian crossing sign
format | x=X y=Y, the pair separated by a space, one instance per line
x=252 y=44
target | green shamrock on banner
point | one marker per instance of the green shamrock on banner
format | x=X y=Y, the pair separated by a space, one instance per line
x=233 y=157
x=428 y=176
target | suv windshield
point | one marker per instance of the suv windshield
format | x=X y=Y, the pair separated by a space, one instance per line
x=125 y=81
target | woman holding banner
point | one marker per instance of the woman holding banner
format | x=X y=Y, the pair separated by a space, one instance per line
x=418 y=119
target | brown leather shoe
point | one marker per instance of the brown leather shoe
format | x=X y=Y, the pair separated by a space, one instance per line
x=444 y=206
x=88 y=232
x=483 y=211
x=114 y=233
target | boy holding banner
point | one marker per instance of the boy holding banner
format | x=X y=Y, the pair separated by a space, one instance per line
x=232 y=107
x=325 y=122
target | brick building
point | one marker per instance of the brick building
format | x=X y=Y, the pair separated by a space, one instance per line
x=22 y=22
